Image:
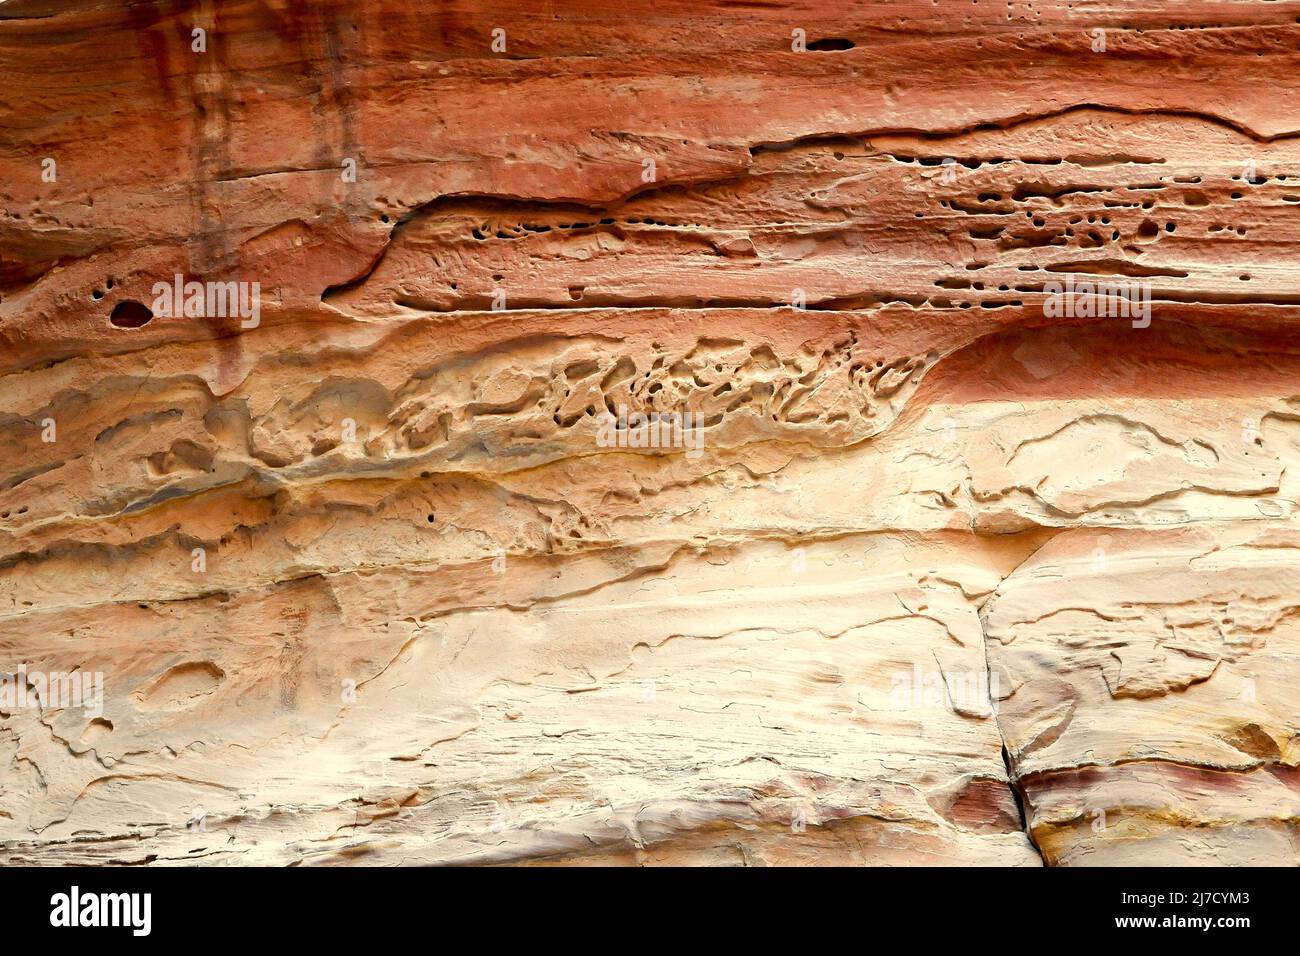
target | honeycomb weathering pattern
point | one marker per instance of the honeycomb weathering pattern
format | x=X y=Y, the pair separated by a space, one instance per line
x=954 y=576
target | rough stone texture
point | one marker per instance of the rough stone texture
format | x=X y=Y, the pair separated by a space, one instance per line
x=953 y=579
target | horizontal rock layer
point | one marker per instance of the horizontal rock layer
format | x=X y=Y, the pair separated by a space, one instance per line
x=940 y=571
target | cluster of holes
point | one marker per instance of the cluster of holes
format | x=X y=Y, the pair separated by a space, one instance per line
x=523 y=230
x=970 y=163
x=1091 y=237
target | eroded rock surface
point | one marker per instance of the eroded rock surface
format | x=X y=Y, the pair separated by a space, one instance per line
x=944 y=573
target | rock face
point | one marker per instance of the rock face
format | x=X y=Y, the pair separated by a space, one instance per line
x=967 y=532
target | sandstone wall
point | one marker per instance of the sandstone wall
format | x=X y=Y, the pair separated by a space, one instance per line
x=952 y=576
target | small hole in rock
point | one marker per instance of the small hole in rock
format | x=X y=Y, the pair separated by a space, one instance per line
x=130 y=315
x=831 y=44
